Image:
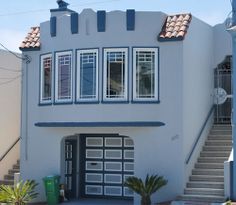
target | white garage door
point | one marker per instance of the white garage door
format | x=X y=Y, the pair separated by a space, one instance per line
x=107 y=162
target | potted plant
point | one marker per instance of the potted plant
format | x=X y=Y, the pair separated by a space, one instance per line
x=145 y=188
x=20 y=194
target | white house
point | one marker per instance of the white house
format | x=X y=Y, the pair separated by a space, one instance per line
x=10 y=101
x=107 y=95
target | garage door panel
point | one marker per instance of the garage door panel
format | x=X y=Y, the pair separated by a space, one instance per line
x=108 y=161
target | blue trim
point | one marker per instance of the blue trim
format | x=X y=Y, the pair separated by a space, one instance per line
x=130 y=20
x=156 y=101
x=101 y=21
x=61 y=9
x=231 y=164
x=121 y=101
x=30 y=49
x=199 y=135
x=101 y=124
x=74 y=23
x=53 y=26
x=77 y=80
x=60 y=102
x=49 y=102
x=161 y=39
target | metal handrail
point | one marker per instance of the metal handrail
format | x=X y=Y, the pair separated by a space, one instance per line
x=9 y=149
x=199 y=135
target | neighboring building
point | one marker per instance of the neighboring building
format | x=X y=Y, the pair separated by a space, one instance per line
x=107 y=95
x=10 y=101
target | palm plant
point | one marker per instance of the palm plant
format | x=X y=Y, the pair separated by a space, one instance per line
x=147 y=188
x=20 y=194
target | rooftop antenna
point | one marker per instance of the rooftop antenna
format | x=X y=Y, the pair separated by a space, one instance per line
x=62 y=4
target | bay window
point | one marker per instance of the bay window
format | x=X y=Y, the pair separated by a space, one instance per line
x=145 y=74
x=46 y=78
x=63 y=77
x=87 y=75
x=115 y=74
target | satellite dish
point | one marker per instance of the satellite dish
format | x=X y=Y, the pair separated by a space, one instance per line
x=220 y=96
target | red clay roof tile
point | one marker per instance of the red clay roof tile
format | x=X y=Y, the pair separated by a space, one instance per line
x=175 y=27
x=32 y=40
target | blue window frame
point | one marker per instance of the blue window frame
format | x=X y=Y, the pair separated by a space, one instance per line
x=145 y=74
x=115 y=75
x=63 y=77
x=46 y=79
x=87 y=75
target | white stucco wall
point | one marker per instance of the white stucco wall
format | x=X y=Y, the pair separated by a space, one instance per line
x=222 y=43
x=9 y=108
x=157 y=150
x=198 y=84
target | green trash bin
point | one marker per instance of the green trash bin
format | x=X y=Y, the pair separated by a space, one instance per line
x=51 y=184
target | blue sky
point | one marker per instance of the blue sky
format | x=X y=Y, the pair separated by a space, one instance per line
x=16 y=17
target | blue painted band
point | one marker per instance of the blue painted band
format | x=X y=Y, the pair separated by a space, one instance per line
x=30 y=49
x=74 y=20
x=199 y=135
x=231 y=179
x=160 y=39
x=130 y=20
x=100 y=124
x=61 y=9
x=101 y=21
x=53 y=26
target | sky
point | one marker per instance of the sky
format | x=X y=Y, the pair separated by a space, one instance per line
x=17 y=16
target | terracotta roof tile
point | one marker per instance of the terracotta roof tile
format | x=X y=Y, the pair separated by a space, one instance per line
x=175 y=27
x=32 y=40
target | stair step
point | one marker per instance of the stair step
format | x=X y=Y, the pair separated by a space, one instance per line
x=206 y=178
x=220 y=137
x=204 y=191
x=202 y=198
x=7 y=182
x=212 y=159
x=213 y=185
x=209 y=165
x=218 y=143
x=223 y=127
x=16 y=166
x=221 y=132
x=215 y=154
x=9 y=177
x=13 y=171
x=213 y=172
x=217 y=148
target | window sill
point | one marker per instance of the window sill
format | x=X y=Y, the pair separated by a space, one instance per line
x=145 y=102
x=44 y=103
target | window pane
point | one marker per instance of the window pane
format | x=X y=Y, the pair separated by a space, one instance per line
x=145 y=74
x=47 y=78
x=64 y=76
x=88 y=75
x=115 y=87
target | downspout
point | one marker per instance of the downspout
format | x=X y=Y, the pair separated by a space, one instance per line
x=27 y=60
x=232 y=31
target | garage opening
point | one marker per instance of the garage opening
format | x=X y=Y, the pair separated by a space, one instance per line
x=105 y=163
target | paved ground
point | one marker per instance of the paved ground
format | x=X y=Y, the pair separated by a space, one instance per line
x=98 y=202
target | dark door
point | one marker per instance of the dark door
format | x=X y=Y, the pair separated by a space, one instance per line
x=223 y=76
x=70 y=167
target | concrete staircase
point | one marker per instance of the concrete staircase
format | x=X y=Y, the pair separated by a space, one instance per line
x=206 y=184
x=9 y=178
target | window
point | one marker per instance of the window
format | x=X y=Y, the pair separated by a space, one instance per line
x=46 y=79
x=63 y=73
x=115 y=74
x=145 y=74
x=87 y=75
